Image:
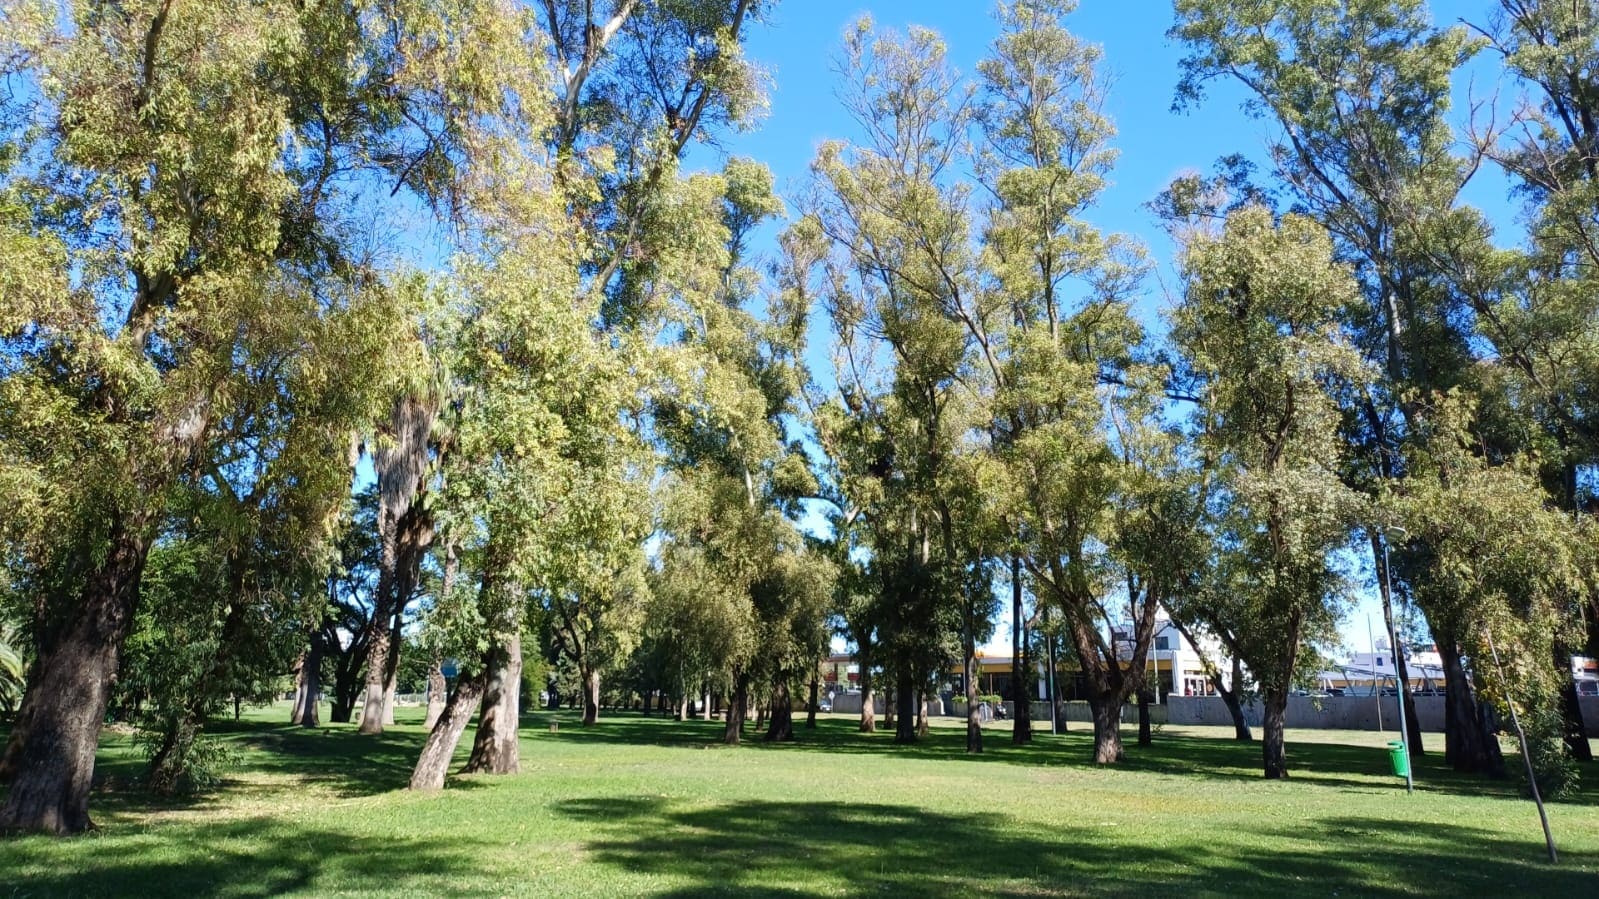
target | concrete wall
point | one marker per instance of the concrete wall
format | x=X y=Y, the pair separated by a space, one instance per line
x=1339 y=712
x=1327 y=712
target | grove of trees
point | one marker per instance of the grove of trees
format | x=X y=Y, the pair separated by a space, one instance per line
x=352 y=348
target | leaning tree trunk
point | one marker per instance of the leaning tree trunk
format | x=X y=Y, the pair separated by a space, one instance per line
x=591 y=696
x=50 y=760
x=868 y=702
x=1107 y=711
x=439 y=749
x=1235 y=707
x=497 y=747
x=437 y=687
x=781 y=729
x=736 y=706
x=905 y=711
x=1274 y=754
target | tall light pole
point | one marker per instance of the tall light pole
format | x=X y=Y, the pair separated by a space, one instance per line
x=1393 y=648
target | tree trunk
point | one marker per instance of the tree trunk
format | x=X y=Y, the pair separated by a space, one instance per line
x=1107 y=729
x=308 y=688
x=1235 y=708
x=1021 y=697
x=297 y=707
x=736 y=705
x=974 y=720
x=905 y=713
x=377 y=660
x=868 y=702
x=496 y=749
x=890 y=709
x=1468 y=746
x=437 y=687
x=810 y=712
x=1145 y=736
x=49 y=760
x=439 y=749
x=1272 y=747
x=782 y=726
x=922 y=728
x=705 y=704
x=591 y=696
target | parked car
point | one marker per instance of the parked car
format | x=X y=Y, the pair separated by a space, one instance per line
x=1588 y=688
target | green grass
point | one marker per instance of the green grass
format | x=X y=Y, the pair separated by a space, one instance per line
x=644 y=806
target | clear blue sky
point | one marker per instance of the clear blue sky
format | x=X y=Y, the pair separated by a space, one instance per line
x=799 y=46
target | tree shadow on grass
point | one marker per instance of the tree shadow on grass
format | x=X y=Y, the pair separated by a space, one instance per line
x=793 y=848
x=1325 y=764
x=236 y=859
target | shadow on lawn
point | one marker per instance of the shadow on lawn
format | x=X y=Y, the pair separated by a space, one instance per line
x=756 y=848
x=1326 y=764
x=240 y=859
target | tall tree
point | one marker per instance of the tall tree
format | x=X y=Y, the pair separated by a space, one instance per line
x=1260 y=322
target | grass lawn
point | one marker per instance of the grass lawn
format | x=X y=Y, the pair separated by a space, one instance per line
x=646 y=806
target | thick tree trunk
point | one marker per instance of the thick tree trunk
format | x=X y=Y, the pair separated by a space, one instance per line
x=810 y=711
x=782 y=726
x=905 y=711
x=868 y=702
x=388 y=704
x=1021 y=698
x=496 y=749
x=377 y=660
x=439 y=749
x=1145 y=736
x=307 y=688
x=1468 y=745
x=1273 y=749
x=733 y=729
x=890 y=709
x=49 y=761
x=591 y=697
x=437 y=688
x=1107 y=729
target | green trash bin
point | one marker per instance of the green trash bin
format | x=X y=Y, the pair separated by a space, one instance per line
x=1398 y=758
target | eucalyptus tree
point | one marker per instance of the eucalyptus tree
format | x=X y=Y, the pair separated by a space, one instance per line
x=1260 y=322
x=1505 y=566
x=160 y=245
x=896 y=211
x=1073 y=403
x=555 y=347
x=1540 y=312
x=1360 y=94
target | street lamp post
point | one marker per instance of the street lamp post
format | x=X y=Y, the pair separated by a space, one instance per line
x=1394 y=650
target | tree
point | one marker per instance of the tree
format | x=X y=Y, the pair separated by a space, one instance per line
x=163 y=244
x=1260 y=324
x=1361 y=93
